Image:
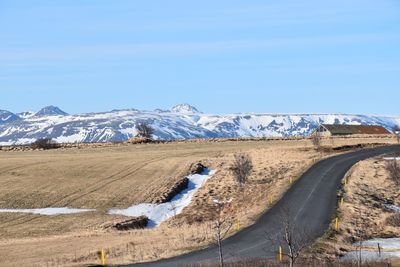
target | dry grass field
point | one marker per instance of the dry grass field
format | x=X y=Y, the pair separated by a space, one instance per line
x=120 y=175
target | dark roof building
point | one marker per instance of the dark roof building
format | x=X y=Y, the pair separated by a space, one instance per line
x=340 y=129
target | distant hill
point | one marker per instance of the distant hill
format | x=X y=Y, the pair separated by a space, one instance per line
x=181 y=122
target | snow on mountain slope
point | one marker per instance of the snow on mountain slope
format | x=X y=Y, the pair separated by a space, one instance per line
x=119 y=125
x=7 y=117
x=184 y=108
x=26 y=114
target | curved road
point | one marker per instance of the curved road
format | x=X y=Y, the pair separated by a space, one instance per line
x=312 y=203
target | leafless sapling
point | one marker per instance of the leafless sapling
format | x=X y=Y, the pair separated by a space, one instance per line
x=316 y=140
x=221 y=226
x=144 y=130
x=396 y=131
x=292 y=239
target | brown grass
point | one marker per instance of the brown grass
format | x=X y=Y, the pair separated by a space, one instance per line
x=107 y=176
x=363 y=214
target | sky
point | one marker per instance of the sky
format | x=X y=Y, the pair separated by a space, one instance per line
x=225 y=56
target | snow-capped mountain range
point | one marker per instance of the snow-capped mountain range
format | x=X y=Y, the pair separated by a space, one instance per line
x=181 y=122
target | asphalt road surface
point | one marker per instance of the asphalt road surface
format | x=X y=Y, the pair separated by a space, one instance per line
x=311 y=203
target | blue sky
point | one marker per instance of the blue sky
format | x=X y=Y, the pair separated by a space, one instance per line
x=222 y=56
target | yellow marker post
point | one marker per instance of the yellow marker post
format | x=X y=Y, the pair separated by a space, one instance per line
x=290 y=180
x=280 y=254
x=270 y=200
x=337 y=224
x=345 y=181
x=103 y=261
x=238 y=225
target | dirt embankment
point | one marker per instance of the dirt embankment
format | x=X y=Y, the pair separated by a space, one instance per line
x=169 y=192
x=364 y=211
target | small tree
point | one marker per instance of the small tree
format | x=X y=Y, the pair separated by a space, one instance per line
x=316 y=140
x=292 y=239
x=393 y=169
x=241 y=168
x=221 y=226
x=44 y=143
x=144 y=130
x=396 y=131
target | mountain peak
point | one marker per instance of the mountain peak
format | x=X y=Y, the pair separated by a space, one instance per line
x=50 y=111
x=7 y=116
x=184 y=108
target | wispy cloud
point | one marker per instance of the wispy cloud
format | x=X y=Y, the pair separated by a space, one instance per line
x=160 y=49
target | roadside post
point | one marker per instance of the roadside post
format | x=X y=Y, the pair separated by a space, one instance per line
x=280 y=254
x=238 y=225
x=103 y=262
x=379 y=250
x=337 y=223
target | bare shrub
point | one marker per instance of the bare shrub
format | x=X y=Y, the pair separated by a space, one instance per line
x=241 y=168
x=393 y=169
x=316 y=140
x=292 y=239
x=45 y=143
x=393 y=220
x=144 y=130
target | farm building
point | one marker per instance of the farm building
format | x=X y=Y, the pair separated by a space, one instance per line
x=340 y=129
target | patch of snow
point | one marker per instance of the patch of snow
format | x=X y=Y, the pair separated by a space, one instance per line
x=158 y=213
x=370 y=256
x=390 y=248
x=26 y=114
x=393 y=208
x=184 y=108
x=391 y=158
x=46 y=211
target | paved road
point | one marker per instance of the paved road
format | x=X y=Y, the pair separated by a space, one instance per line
x=311 y=200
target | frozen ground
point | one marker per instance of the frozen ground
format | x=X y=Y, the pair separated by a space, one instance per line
x=390 y=248
x=46 y=211
x=158 y=213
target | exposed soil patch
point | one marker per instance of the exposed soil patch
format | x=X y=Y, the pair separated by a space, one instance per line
x=135 y=223
x=180 y=185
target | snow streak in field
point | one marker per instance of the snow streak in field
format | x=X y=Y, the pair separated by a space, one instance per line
x=46 y=211
x=157 y=213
